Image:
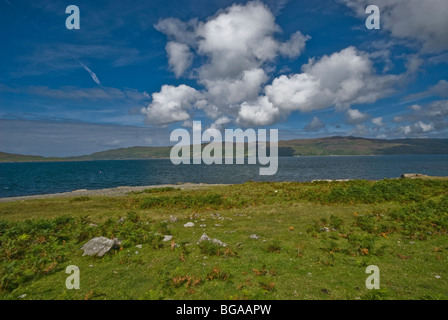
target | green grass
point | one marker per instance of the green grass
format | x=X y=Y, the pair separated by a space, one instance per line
x=315 y=242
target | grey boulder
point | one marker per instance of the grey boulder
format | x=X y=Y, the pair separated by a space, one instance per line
x=99 y=246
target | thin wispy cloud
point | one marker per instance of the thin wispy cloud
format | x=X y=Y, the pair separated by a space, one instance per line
x=92 y=74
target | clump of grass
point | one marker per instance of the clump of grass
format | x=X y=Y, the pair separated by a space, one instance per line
x=267 y=286
x=369 y=192
x=210 y=248
x=274 y=247
x=361 y=243
x=80 y=199
x=154 y=190
x=419 y=220
x=193 y=202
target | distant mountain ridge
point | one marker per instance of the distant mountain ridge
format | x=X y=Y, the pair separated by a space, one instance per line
x=329 y=146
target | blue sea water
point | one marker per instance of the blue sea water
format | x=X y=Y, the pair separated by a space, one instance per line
x=17 y=179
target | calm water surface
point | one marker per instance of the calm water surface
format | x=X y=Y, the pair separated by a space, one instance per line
x=17 y=179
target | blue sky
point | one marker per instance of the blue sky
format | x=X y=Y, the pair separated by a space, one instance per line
x=136 y=70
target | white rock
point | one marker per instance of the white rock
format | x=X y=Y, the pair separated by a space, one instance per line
x=167 y=238
x=254 y=236
x=189 y=224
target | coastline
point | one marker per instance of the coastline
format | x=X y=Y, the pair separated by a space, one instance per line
x=109 y=192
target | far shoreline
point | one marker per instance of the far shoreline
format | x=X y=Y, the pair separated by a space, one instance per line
x=294 y=156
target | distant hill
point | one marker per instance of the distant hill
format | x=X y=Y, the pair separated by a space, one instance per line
x=128 y=153
x=11 y=157
x=298 y=147
x=361 y=146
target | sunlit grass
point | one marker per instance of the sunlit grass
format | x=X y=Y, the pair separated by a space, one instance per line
x=315 y=242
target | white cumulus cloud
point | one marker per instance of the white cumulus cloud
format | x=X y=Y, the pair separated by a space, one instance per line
x=354 y=116
x=171 y=104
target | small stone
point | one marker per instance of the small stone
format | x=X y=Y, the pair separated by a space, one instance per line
x=189 y=224
x=93 y=225
x=122 y=220
x=218 y=225
x=173 y=218
x=203 y=225
x=138 y=246
x=205 y=237
x=437 y=276
x=254 y=236
x=22 y=296
x=167 y=238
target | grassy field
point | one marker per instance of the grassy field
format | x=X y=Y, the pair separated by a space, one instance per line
x=315 y=242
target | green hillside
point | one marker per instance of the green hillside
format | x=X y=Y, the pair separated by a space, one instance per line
x=128 y=153
x=298 y=147
x=11 y=157
x=361 y=146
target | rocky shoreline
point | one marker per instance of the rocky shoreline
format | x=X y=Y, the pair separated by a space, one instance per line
x=110 y=192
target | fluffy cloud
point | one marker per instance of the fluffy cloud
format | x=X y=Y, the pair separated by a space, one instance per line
x=261 y=112
x=227 y=92
x=343 y=78
x=423 y=22
x=229 y=48
x=237 y=46
x=428 y=118
x=294 y=46
x=171 y=104
x=179 y=31
x=315 y=125
x=415 y=129
x=378 y=121
x=180 y=57
x=354 y=116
